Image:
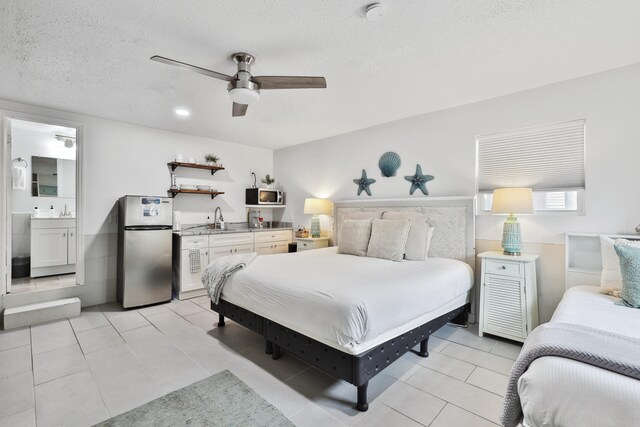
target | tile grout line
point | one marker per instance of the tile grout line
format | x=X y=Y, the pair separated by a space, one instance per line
x=405 y=415
x=84 y=355
x=464 y=382
x=33 y=379
x=439 y=412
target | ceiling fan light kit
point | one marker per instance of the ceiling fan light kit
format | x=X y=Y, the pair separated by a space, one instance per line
x=374 y=12
x=243 y=88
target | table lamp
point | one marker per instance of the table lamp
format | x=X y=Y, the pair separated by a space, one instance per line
x=317 y=207
x=512 y=201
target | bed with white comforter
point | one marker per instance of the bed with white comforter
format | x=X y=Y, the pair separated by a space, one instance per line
x=348 y=302
x=556 y=391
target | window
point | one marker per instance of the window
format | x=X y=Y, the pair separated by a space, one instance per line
x=549 y=159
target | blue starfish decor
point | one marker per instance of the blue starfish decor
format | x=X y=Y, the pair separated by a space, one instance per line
x=364 y=182
x=418 y=180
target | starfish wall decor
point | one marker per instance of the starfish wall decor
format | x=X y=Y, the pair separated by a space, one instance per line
x=418 y=180
x=364 y=182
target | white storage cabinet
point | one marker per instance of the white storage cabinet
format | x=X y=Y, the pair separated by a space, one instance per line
x=508 y=295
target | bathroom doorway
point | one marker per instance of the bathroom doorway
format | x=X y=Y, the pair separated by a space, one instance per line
x=42 y=227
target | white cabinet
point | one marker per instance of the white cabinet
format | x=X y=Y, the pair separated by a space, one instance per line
x=71 y=245
x=308 y=243
x=49 y=247
x=53 y=246
x=189 y=285
x=272 y=242
x=508 y=295
x=230 y=244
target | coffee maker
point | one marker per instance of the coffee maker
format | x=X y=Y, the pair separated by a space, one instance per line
x=254 y=219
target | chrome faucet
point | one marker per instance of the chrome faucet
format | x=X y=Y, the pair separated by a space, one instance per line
x=216 y=222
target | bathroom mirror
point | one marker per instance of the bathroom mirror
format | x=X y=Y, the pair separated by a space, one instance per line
x=52 y=177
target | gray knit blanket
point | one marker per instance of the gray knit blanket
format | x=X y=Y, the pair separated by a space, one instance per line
x=221 y=269
x=613 y=352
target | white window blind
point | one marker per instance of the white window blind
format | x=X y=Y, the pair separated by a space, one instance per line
x=549 y=157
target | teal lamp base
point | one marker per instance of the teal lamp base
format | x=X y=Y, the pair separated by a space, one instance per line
x=315 y=226
x=511 y=237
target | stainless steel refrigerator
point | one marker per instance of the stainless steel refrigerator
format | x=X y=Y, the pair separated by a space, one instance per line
x=144 y=250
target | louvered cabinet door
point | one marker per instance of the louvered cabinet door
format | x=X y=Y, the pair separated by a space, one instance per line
x=508 y=295
x=504 y=307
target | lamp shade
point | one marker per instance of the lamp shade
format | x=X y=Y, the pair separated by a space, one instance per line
x=512 y=201
x=318 y=206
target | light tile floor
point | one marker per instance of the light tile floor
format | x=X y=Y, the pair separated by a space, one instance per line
x=106 y=362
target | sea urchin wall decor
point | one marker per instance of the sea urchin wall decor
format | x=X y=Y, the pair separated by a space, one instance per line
x=418 y=180
x=364 y=182
x=389 y=163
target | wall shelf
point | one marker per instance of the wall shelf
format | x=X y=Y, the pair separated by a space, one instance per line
x=213 y=169
x=213 y=194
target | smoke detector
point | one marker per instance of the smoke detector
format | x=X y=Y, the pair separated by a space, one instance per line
x=374 y=12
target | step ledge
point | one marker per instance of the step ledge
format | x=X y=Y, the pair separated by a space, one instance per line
x=41 y=305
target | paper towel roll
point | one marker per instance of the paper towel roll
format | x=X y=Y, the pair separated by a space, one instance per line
x=177 y=222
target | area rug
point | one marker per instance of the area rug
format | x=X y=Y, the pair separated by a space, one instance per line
x=220 y=400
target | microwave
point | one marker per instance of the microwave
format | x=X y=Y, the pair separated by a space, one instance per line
x=264 y=196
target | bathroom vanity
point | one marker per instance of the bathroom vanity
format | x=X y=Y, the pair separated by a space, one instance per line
x=53 y=246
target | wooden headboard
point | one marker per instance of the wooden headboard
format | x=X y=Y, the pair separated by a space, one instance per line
x=452 y=217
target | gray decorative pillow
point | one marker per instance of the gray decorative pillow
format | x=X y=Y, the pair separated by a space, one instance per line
x=388 y=239
x=630 y=269
x=354 y=237
x=419 y=234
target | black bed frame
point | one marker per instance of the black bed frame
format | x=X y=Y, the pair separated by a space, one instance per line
x=356 y=369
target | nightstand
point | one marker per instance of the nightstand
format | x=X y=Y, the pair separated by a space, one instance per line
x=307 y=243
x=508 y=295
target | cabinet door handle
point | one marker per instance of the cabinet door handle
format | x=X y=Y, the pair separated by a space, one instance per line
x=71 y=234
x=502 y=267
x=64 y=234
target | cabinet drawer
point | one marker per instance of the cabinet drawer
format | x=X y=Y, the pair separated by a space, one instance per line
x=306 y=244
x=503 y=268
x=195 y=242
x=273 y=236
x=219 y=240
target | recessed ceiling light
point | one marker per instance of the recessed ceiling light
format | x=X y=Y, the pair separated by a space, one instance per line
x=182 y=112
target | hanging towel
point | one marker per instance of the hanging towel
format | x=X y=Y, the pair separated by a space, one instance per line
x=194 y=260
x=19 y=174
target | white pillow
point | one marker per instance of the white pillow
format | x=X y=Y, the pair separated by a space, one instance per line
x=420 y=233
x=611 y=276
x=388 y=239
x=354 y=237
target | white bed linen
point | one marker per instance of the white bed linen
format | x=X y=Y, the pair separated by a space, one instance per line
x=346 y=301
x=562 y=392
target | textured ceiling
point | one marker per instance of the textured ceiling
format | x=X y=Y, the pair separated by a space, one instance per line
x=93 y=58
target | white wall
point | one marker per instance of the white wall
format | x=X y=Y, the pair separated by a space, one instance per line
x=443 y=143
x=120 y=158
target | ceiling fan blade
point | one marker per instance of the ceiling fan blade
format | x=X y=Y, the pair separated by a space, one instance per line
x=239 y=110
x=184 y=65
x=290 y=82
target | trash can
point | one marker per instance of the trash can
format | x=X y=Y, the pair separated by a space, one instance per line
x=20 y=266
x=293 y=247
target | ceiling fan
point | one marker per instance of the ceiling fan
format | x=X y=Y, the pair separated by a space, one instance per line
x=243 y=88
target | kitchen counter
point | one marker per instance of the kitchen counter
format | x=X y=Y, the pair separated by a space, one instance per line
x=232 y=228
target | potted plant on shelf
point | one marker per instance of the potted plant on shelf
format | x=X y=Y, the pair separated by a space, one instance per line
x=212 y=159
x=268 y=180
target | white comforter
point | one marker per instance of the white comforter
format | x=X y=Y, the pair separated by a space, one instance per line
x=345 y=299
x=561 y=392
